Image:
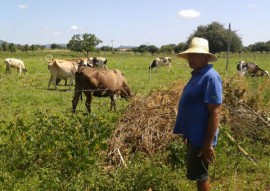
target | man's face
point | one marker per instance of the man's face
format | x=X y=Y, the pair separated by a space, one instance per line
x=197 y=61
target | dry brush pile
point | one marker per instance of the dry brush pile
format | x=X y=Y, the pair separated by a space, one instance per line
x=148 y=121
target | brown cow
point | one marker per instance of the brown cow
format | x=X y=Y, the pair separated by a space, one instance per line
x=99 y=83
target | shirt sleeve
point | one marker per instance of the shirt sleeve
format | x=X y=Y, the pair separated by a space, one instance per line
x=213 y=91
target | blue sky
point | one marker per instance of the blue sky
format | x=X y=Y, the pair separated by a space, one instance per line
x=129 y=22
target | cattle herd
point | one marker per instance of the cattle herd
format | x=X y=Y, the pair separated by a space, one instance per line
x=93 y=78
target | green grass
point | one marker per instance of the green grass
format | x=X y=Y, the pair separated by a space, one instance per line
x=45 y=147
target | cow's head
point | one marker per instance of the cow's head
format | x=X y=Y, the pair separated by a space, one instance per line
x=241 y=66
x=93 y=61
x=125 y=92
x=84 y=62
x=264 y=73
x=25 y=71
x=169 y=59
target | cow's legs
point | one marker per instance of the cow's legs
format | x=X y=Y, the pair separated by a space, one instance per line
x=8 y=70
x=113 y=105
x=75 y=100
x=49 y=83
x=71 y=82
x=54 y=82
x=19 y=70
x=88 y=101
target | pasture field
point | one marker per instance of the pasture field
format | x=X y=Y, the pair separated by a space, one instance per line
x=43 y=146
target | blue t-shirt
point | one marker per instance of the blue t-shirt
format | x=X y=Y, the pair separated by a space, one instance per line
x=204 y=87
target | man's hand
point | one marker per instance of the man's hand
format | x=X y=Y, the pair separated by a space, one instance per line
x=208 y=154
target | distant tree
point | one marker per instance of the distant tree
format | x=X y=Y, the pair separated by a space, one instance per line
x=144 y=48
x=180 y=47
x=152 y=49
x=218 y=37
x=42 y=47
x=106 y=48
x=26 y=48
x=83 y=43
x=167 y=48
x=260 y=46
x=53 y=46
x=11 y=47
x=4 y=46
x=56 y=46
x=33 y=47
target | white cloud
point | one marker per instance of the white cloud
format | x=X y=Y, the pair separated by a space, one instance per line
x=252 y=6
x=21 y=6
x=74 y=27
x=57 y=33
x=189 y=13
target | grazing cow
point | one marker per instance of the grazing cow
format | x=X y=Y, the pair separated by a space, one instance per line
x=99 y=62
x=63 y=69
x=157 y=62
x=99 y=83
x=250 y=69
x=15 y=63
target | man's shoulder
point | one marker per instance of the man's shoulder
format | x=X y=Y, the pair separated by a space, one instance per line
x=212 y=73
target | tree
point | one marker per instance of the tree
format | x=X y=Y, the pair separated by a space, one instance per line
x=83 y=43
x=152 y=49
x=57 y=46
x=144 y=48
x=106 y=48
x=218 y=37
x=180 y=47
x=167 y=48
x=33 y=47
x=260 y=46
x=4 y=46
x=25 y=48
x=11 y=47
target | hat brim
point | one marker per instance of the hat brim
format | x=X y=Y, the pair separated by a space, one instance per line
x=184 y=55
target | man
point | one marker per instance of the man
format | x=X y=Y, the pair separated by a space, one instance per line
x=198 y=112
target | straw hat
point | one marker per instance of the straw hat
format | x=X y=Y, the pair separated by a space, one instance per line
x=198 y=45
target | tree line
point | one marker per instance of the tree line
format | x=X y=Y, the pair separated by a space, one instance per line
x=217 y=35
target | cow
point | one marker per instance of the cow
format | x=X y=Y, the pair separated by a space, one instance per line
x=99 y=83
x=250 y=69
x=15 y=63
x=81 y=61
x=62 y=69
x=99 y=62
x=157 y=62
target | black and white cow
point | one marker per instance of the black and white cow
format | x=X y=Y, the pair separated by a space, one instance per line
x=250 y=69
x=99 y=62
x=158 y=62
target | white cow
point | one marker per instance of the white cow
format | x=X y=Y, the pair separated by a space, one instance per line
x=15 y=63
x=157 y=62
x=62 y=69
x=99 y=62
